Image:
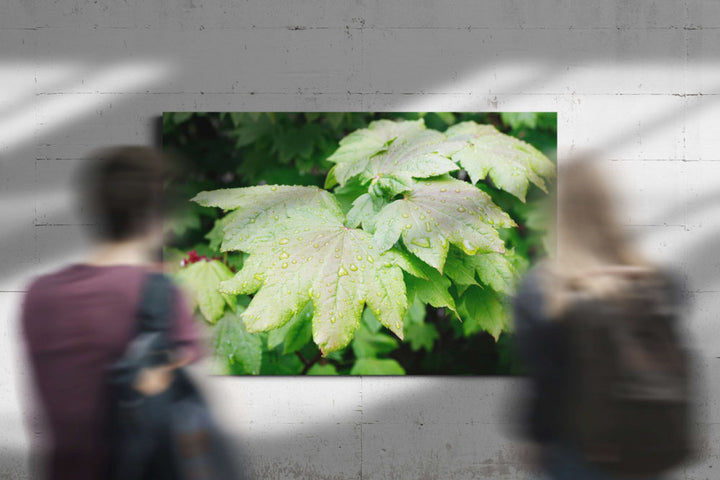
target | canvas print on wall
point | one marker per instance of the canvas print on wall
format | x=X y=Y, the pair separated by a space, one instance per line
x=358 y=243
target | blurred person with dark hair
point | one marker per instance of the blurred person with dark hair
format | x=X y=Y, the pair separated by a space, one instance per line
x=80 y=319
x=595 y=325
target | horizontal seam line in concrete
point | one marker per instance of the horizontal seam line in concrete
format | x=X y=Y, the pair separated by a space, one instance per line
x=663 y=160
x=342 y=28
x=64 y=224
x=420 y=93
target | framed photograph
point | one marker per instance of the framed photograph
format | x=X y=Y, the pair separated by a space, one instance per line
x=358 y=243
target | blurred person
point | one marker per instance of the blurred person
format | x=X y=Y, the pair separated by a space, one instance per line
x=595 y=325
x=79 y=320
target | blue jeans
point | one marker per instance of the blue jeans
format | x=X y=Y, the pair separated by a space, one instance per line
x=564 y=463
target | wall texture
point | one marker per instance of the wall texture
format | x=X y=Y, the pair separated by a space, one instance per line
x=639 y=80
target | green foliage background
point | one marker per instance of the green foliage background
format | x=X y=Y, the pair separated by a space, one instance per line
x=228 y=150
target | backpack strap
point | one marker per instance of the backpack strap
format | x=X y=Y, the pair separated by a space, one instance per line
x=154 y=316
x=154 y=312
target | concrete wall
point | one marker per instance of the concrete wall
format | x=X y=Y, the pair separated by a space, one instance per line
x=639 y=80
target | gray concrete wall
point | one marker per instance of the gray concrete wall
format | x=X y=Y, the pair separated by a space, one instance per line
x=639 y=80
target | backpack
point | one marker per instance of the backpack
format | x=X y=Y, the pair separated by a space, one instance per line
x=628 y=397
x=169 y=436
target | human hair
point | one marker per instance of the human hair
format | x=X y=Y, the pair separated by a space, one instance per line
x=122 y=191
x=594 y=256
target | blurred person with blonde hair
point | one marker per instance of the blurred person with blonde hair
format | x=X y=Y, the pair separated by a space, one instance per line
x=79 y=320
x=596 y=327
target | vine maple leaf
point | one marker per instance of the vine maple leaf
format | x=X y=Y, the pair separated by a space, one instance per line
x=234 y=343
x=482 y=310
x=392 y=153
x=201 y=280
x=511 y=163
x=493 y=269
x=440 y=212
x=263 y=211
x=300 y=251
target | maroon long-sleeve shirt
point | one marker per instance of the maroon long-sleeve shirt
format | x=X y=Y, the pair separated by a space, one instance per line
x=76 y=322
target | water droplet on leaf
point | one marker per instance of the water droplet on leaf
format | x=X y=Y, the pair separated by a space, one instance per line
x=421 y=242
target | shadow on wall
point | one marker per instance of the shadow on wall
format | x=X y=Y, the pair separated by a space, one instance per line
x=380 y=445
x=405 y=431
x=513 y=60
x=413 y=427
x=432 y=432
x=13 y=463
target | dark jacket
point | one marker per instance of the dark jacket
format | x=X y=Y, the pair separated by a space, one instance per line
x=544 y=346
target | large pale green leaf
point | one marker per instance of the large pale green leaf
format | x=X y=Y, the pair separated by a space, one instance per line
x=440 y=212
x=295 y=333
x=201 y=280
x=392 y=153
x=356 y=149
x=300 y=251
x=511 y=163
x=235 y=344
x=263 y=211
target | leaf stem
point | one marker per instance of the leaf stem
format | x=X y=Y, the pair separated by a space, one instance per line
x=309 y=364
x=300 y=356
